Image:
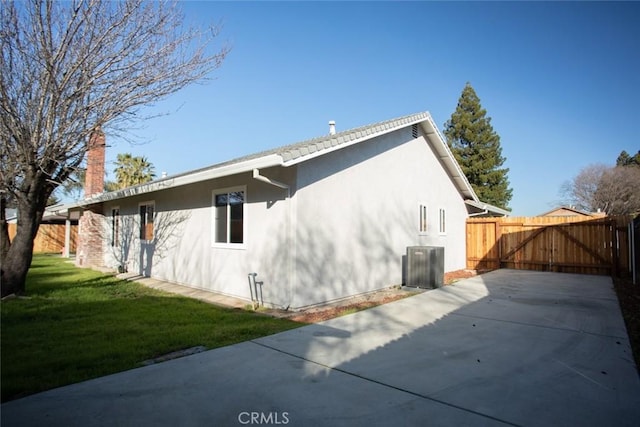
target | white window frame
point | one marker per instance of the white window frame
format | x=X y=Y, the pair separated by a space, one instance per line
x=228 y=245
x=155 y=215
x=116 y=227
x=442 y=221
x=423 y=219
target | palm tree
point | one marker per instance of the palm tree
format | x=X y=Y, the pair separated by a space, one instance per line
x=132 y=170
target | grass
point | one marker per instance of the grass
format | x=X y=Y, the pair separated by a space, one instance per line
x=77 y=324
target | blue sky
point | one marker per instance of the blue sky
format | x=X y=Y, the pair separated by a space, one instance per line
x=560 y=81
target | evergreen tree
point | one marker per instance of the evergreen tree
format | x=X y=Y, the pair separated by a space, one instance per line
x=476 y=147
x=624 y=159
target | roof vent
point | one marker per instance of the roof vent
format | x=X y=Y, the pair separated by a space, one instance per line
x=332 y=127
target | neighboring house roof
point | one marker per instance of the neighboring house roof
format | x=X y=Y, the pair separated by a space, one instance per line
x=290 y=155
x=571 y=211
x=52 y=214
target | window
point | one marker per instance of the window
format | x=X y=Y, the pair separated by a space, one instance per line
x=115 y=227
x=228 y=222
x=442 y=223
x=147 y=211
x=423 y=225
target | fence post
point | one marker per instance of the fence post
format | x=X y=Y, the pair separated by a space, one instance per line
x=614 y=242
x=498 y=234
x=67 y=238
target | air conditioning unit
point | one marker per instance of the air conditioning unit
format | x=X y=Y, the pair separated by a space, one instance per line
x=425 y=267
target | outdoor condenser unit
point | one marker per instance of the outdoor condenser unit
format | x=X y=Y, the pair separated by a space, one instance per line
x=425 y=266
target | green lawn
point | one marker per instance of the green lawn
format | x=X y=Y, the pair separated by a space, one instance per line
x=78 y=324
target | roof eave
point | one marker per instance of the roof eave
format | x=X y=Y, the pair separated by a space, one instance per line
x=448 y=160
x=180 y=180
x=488 y=208
x=425 y=120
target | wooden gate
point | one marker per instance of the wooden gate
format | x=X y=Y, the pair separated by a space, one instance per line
x=562 y=244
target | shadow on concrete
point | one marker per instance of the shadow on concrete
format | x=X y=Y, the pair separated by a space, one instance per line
x=506 y=348
x=521 y=348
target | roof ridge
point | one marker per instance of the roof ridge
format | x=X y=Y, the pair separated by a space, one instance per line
x=293 y=151
x=309 y=146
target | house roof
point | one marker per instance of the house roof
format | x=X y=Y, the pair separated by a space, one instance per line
x=570 y=210
x=52 y=214
x=293 y=154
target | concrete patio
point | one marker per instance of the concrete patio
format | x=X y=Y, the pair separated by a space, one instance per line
x=505 y=348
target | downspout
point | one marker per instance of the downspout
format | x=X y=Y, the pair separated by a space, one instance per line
x=257 y=176
x=484 y=212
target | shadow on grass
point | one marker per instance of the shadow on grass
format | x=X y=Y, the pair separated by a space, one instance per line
x=73 y=330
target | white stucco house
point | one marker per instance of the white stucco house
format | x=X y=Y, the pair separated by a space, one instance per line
x=318 y=221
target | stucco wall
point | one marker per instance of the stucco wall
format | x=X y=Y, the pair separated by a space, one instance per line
x=343 y=230
x=358 y=210
x=182 y=251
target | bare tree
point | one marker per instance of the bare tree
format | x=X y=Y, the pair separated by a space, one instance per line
x=618 y=192
x=614 y=190
x=68 y=68
x=580 y=191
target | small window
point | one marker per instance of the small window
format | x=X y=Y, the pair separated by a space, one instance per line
x=423 y=225
x=442 y=228
x=228 y=227
x=115 y=227
x=147 y=211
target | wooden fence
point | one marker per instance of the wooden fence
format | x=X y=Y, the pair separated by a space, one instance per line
x=564 y=244
x=50 y=238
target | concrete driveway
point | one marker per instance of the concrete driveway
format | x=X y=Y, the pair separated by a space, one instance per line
x=508 y=347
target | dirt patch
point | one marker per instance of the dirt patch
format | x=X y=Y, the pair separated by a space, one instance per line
x=454 y=276
x=175 y=355
x=352 y=305
x=629 y=299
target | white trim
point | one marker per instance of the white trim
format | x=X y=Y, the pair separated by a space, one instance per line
x=227 y=190
x=183 y=179
x=66 y=252
x=117 y=238
x=442 y=221
x=487 y=207
x=155 y=212
x=423 y=215
x=429 y=132
x=445 y=155
x=262 y=178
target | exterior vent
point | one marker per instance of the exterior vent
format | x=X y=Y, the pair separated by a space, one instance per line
x=414 y=130
x=425 y=267
x=332 y=127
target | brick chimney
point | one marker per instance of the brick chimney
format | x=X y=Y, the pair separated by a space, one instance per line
x=90 y=226
x=94 y=177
